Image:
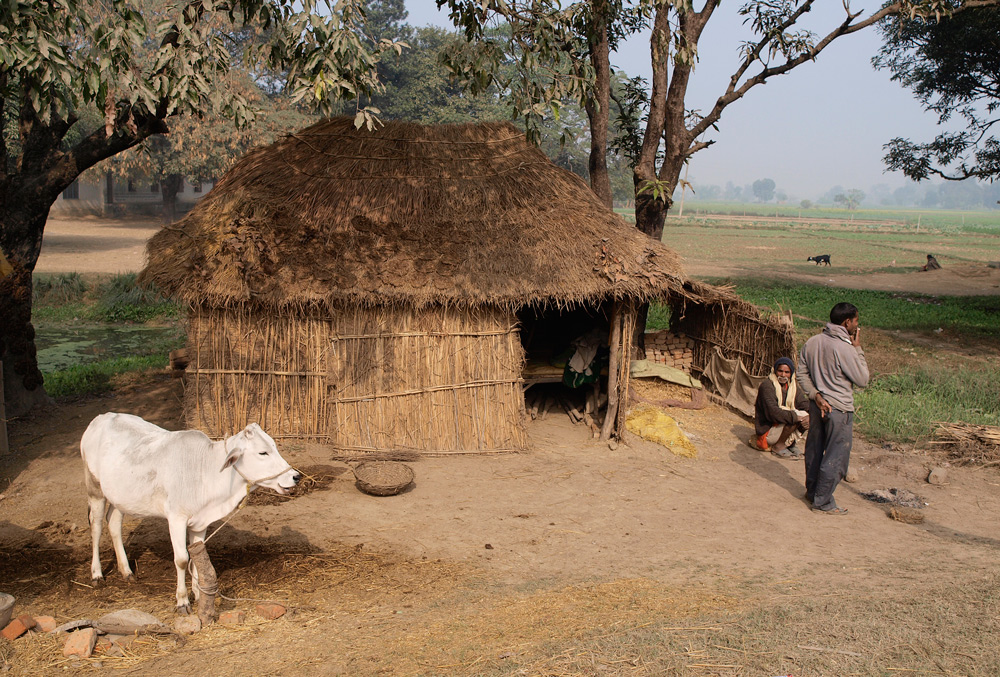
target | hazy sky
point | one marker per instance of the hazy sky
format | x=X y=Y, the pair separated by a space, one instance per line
x=822 y=124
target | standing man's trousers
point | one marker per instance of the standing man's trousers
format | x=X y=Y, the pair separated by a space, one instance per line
x=828 y=453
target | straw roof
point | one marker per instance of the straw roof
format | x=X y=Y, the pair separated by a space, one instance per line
x=455 y=214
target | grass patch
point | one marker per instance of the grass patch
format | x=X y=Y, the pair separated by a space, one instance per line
x=906 y=405
x=115 y=299
x=98 y=377
x=658 y=317
x=58 y=290
x=903 y=219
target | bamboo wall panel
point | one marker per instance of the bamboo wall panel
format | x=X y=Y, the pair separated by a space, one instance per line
x=434 y=381
x=247 y=367
x=366 y=380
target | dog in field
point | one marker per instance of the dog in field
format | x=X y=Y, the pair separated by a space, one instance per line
x=822 y=258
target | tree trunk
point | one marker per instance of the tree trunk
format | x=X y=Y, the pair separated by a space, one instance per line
x=22 y=381
x=20 y=243
x=598 y=106
x=169 y=188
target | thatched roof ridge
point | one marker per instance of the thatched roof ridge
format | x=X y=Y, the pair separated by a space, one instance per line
x=455 y=214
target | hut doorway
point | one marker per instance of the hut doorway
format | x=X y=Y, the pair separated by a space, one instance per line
x=566 y=362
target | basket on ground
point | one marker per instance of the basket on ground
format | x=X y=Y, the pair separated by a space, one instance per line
x=383 y=478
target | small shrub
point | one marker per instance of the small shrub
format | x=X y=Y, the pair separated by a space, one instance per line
x=123 y=300
x=58 y=290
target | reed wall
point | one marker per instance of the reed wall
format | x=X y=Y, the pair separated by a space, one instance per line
x=366 y=380
x=758 y=342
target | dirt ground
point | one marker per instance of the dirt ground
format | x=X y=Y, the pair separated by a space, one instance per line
x=572 y=558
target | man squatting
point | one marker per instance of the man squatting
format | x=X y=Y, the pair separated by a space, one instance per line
x=831 y=365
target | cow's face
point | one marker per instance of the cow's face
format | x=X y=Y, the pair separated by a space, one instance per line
x=253 y=453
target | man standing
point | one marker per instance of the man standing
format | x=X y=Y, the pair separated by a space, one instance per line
x=831 y=364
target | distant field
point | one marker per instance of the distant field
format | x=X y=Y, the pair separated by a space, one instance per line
x=857 y=246
x=899 y=219
x=851 y=250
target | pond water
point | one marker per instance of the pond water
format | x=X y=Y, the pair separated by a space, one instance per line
x=64 y=346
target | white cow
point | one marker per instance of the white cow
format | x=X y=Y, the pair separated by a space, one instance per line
x=136 y=468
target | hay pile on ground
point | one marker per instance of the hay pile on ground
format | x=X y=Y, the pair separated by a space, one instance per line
x=969 y=444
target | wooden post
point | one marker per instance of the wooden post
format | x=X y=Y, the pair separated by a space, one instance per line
x=614 y=345
x=628 y=327
x=4 y=445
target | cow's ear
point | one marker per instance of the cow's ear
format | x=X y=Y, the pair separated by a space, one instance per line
x=232 y=457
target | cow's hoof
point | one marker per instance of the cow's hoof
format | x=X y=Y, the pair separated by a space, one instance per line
x=97 y=582
x=184 y=609
x=130 y=579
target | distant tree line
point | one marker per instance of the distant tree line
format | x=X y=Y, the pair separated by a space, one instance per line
x=924 y=195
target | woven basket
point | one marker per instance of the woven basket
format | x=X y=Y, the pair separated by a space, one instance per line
x=383 y=478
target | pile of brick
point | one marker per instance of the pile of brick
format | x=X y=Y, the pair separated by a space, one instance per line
x=86 y=638
x=673 y=350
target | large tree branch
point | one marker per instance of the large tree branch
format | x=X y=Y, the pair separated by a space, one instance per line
x=645 y=168
x=40 y=141
x=736 y=91
x=675 y=131
x=90 y=150
x=598 y=105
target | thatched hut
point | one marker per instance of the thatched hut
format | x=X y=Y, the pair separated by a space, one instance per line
x=369 y=289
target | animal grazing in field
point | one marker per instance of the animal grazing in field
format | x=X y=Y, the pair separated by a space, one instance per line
x=822 y=258
x=132 y=467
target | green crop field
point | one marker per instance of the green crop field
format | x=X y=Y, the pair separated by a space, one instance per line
x=899 y=219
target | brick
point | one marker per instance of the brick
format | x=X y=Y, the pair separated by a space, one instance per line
x=45 y=623
x=270 y=611
x=27 y=620
x=80 y=643
x=14 y=630
x=233 y=617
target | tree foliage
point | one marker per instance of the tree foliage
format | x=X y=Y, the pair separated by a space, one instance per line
x=953 y=67
x=560 y=50
x=850 y=199
x=84 y=80
x=763 y=189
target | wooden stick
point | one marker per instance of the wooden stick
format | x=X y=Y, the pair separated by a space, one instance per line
x=4 y=442
x=614 y=342
x=544 y=409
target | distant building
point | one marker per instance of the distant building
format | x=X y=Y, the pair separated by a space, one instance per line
x=112 y=196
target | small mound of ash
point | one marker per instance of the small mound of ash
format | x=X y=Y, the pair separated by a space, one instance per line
x=900 y=497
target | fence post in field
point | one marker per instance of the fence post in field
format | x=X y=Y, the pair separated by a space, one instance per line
x=4 y=446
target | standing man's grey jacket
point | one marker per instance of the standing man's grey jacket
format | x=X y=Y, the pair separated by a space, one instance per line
x=831 y=365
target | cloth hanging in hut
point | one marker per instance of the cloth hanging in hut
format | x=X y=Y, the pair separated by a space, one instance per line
x=732 y=381
x=588 y=359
